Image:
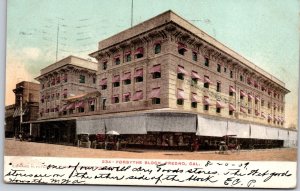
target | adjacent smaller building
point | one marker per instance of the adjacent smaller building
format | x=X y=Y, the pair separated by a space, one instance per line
x=9 y=120
x=26 y=106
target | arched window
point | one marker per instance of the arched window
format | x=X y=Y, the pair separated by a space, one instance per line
x=157 y=48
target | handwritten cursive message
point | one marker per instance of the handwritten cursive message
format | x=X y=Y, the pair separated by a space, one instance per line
x=40 y=170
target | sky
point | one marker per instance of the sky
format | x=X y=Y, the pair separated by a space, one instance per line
x=266 y=32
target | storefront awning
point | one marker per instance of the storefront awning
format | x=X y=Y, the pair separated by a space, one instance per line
x=283 y=134
x=211 y=127
x=272 y=133
x=241 y=130
x=127 y=125
x=91 y=126
x=258 y=132
x=171 y=122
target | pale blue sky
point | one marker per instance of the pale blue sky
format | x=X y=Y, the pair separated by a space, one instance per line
x=263 y=31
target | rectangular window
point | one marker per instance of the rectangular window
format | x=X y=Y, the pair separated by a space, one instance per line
x=219 y=68
x=92 y=108
x=155 y=101
x=249 y=111
x=241 y=78
x=116 y=99
x=262 y=103
x=206 y=62
x=218 y=110
x=180 y=101
x=231 y=74
x=127 y=97
x=80 y=110
x=82 y=79
x=139 y=53
x=103 y=104
x=180 y=76
x=206 y=107
x=230 y=112
x=206 y=82
x=104 y=65
x=195 y=56
x=94 y=80
x=103 y=87
x=218 y=86
x=139 y=79
x=128 y=57
x=117 y=61
x=194 y=104
x=269 y=105
x=157 y=48
x=225 y=69
x=116 y=84
x=156 y=75
x=127 y=82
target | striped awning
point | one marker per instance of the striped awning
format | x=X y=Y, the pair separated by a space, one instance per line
x=137 y=96
x=231 y=107
x=181 y=70
x=155 y=68
x=195 y=75
x=219 y=104
x=155 y=93
x=180 y=94
x=231 y=89
x=138 y=73
x=195 y=98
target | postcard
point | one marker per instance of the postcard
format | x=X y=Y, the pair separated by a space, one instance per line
x=171 y=93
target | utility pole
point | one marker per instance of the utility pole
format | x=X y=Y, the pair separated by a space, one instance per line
x=57 y=36
x=21 y=111
x=131 y=13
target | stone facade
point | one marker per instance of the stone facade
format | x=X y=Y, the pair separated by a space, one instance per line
x=71 y=76
x=184 y=69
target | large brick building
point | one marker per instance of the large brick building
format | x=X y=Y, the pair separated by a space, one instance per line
x=166 y=82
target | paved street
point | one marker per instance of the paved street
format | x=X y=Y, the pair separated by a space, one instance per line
x=17 y=148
